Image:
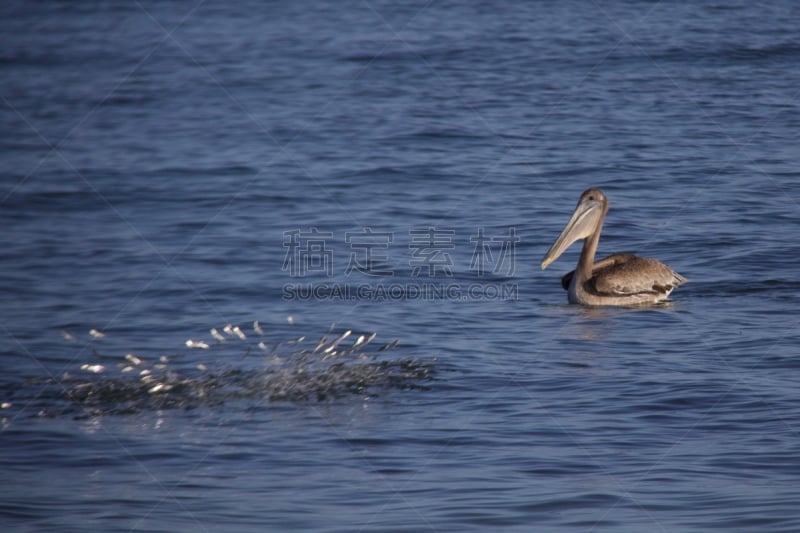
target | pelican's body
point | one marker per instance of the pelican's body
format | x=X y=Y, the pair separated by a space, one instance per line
x=619 y=279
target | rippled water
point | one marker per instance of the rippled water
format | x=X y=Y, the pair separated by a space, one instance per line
x=166 y=164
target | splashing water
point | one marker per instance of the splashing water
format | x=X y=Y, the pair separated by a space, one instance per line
x=339 y=364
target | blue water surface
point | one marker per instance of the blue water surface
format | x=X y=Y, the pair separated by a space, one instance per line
x=397 y=168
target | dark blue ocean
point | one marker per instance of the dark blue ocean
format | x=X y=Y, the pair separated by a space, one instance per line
x=274 y=266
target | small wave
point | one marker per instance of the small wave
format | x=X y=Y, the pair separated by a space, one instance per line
x=390 y=56
x=726 y=54
x=126 y=100
x=213 y=171
x=739 y=287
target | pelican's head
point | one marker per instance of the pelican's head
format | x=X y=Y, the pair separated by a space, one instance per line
x=587 y=218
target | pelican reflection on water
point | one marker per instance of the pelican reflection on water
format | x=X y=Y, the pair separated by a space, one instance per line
x=620 y=278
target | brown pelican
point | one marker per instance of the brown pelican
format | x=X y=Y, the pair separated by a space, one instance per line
x=619 y=279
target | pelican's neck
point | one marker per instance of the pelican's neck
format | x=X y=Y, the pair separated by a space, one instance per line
x=584 y=270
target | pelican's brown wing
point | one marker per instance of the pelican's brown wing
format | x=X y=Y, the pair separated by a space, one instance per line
x=611 y=260
x=628 y=274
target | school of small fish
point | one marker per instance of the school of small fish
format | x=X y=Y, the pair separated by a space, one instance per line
x=294 y=369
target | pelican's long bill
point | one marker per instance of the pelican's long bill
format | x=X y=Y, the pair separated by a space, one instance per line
x=585 y=220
